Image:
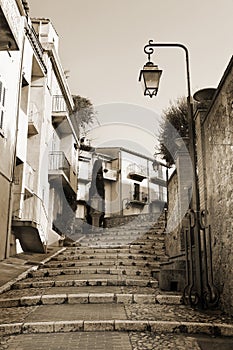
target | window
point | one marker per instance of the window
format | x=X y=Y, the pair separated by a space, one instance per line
x=2 y=104
x=136 y=194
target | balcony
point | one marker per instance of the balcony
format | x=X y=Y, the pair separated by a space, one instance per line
x=37 y=48
x=58 y=166
x=33 y=121
x=60 y=114
x=110 y=174
x=137 y=172
x=138 y=198
x=10 y=23
x=30 y=224
x=29 y=178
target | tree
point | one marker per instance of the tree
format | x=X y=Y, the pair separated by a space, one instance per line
x=84 y=112
x=174 y=125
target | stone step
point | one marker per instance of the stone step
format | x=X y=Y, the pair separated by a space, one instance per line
x=47 y=283
x=117 y=256
x=104 y=262
x=115 y=270
x=164 y=327
x=89 y=298
x=131 y=249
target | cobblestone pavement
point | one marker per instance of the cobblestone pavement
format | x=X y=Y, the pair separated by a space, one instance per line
x=113 y=341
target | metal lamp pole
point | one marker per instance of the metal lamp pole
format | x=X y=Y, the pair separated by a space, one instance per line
x=199 y=290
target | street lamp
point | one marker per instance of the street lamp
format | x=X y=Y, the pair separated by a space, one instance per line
x=200 y=289
x=150 y=76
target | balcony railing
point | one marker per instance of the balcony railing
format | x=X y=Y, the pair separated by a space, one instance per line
x=37 y=47
x=33 y=213
x=137 y=172
x=110 y=174
x=59 y=162
x=59 y=104
x=140 y=198
x=29 y=177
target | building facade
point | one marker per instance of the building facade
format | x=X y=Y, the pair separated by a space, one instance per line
x=133 y=183
x=39 y=136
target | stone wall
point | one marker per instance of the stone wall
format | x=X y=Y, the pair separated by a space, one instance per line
x=214 y=145
x=218 y=154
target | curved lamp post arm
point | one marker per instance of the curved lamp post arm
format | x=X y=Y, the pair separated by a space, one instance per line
x=149 y=50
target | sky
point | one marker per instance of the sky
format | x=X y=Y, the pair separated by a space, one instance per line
x=101 y=44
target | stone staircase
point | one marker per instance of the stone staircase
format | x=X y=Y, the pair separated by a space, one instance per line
x=106 y=282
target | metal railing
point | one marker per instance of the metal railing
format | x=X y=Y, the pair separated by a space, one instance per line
x=38 y=49
x=138 y=197
x=59 y=104
x=137 y=169
x=58 y=161
x=29 y=177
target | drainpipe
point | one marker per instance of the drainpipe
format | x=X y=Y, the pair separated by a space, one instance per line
x=7 y=246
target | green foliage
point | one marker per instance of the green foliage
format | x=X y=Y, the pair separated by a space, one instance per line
x=174 y=125
x=84 y=112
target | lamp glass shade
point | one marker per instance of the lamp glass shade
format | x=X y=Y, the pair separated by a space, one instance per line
x=150 y=77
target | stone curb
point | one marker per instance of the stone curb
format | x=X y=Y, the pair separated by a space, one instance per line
x=214 y=329
x=87 y=282
x=90 y=298
x=7 y=286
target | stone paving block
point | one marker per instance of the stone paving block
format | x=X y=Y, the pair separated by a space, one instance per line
x=96 y=298
x=54 y=272
x=30 y=301
x=115 y=282
x=80 y=283
x=139 y=283
x=130 y=325
x=53 y=299
x=8 y=329
x=38 y=327
x=87 y=270
x=65 y=283
x=164 y=326
x=226 y=329
x=43 y=284
x=103 y=270
x=169 y=299
x=39 y=273
x=71 y=271
x=68 y=326
x=196 y=328
x=90 y=326
x=11 y=302
x=124 y=298
x=144 y=298
x=22 y=285
x=81 y=298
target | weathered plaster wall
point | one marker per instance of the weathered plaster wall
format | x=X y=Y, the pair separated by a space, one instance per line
x=218 y=138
